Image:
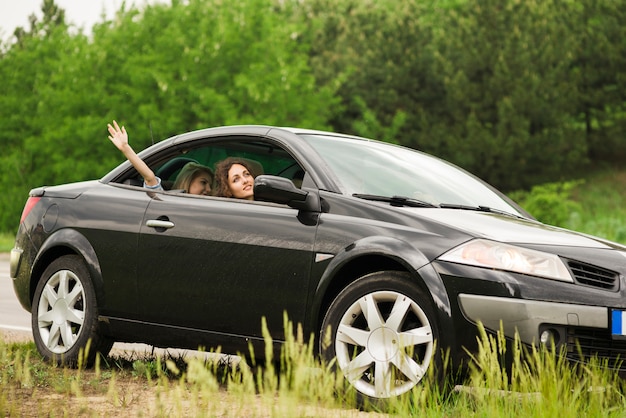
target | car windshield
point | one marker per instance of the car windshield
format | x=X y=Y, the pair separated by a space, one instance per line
x=374 y=168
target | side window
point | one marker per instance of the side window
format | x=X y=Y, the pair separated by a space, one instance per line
x=177 y=168
x=172 y=170
x=262 y=157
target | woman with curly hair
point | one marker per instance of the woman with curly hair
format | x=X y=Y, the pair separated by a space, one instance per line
x=234 y=178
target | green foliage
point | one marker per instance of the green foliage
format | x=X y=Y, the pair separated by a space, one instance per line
x=604 y=205
x=550 y=203
x=505 y=73
x=377 y=54
x=600 y=71
x=206 y=63
x=518 y=92
x=501 y=88
x=162 y=70
x=536 y=382
x=6 y=242
x=595 y=205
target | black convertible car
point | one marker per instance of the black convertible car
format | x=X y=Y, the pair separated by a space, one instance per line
x=394 y=252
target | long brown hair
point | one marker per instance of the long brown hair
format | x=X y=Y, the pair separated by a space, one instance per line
x=221 y=174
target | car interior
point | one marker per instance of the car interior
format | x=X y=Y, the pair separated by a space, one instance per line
x=262 y=157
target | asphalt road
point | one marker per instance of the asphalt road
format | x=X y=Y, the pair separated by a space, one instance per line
x=12 y=316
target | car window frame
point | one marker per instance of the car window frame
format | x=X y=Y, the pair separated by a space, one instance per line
x=129 y=175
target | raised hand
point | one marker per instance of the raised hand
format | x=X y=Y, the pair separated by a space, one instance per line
x=118 y=135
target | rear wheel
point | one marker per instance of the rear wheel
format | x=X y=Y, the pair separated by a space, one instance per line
x=65 y=314
x=382 y=332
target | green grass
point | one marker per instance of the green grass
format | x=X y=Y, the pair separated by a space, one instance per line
x=537 y=384
x=6 y=242
x=602 y=198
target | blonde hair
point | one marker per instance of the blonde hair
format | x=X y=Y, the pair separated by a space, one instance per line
x=188 y=173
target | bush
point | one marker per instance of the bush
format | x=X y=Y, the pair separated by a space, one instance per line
x=550 y=203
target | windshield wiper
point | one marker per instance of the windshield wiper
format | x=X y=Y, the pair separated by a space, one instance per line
x=478 y=209
x=396 y=200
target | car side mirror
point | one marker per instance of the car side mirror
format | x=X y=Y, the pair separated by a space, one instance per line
x=281 y=190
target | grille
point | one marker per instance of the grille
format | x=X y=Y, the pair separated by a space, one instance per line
x=586 y=343
x=589 y=275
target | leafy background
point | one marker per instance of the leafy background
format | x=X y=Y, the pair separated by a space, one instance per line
x=529 y=95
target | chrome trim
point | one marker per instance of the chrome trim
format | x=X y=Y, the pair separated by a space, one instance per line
x=157 y=223
x=525 y=316
x=323 y=256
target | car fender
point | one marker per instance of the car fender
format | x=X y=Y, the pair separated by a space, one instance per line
x=399 y=252
x=66 y=241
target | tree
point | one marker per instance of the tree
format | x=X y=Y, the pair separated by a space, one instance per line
x=600 y=65
x=375 y=53
x=508 y=91
x=53 y=16
x=206 y=63
x=492 y=85
x=161 y=70
x=24 y=73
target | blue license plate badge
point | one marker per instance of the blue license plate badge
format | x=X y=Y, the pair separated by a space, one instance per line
x=618 y=323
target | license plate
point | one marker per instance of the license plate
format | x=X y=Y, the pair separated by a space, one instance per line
x=618 y=324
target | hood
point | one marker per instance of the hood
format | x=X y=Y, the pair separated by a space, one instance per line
x=510 y=229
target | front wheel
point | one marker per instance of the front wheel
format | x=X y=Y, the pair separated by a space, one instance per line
x=381 y=329
x=65 y=314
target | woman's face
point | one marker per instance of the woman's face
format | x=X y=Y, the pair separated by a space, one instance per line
x=201 y=184
x=240 y=182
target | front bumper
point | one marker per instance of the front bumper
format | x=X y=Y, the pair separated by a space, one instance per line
x=582 y=331
x=526 y=317
x=572 y=316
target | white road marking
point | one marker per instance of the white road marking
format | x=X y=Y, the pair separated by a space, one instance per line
x=15 y=328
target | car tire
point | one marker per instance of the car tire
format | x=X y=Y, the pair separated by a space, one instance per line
x=65 y=314
x=381 y=330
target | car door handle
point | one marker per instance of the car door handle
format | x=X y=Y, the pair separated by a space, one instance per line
x=157 y=223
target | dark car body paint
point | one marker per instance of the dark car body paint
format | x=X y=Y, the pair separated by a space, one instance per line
x=209 y=280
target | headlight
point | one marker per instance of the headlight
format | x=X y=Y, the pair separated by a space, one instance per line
x=496 y=255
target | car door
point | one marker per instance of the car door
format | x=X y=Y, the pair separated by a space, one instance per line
x=109 y=217
x=220 y=264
